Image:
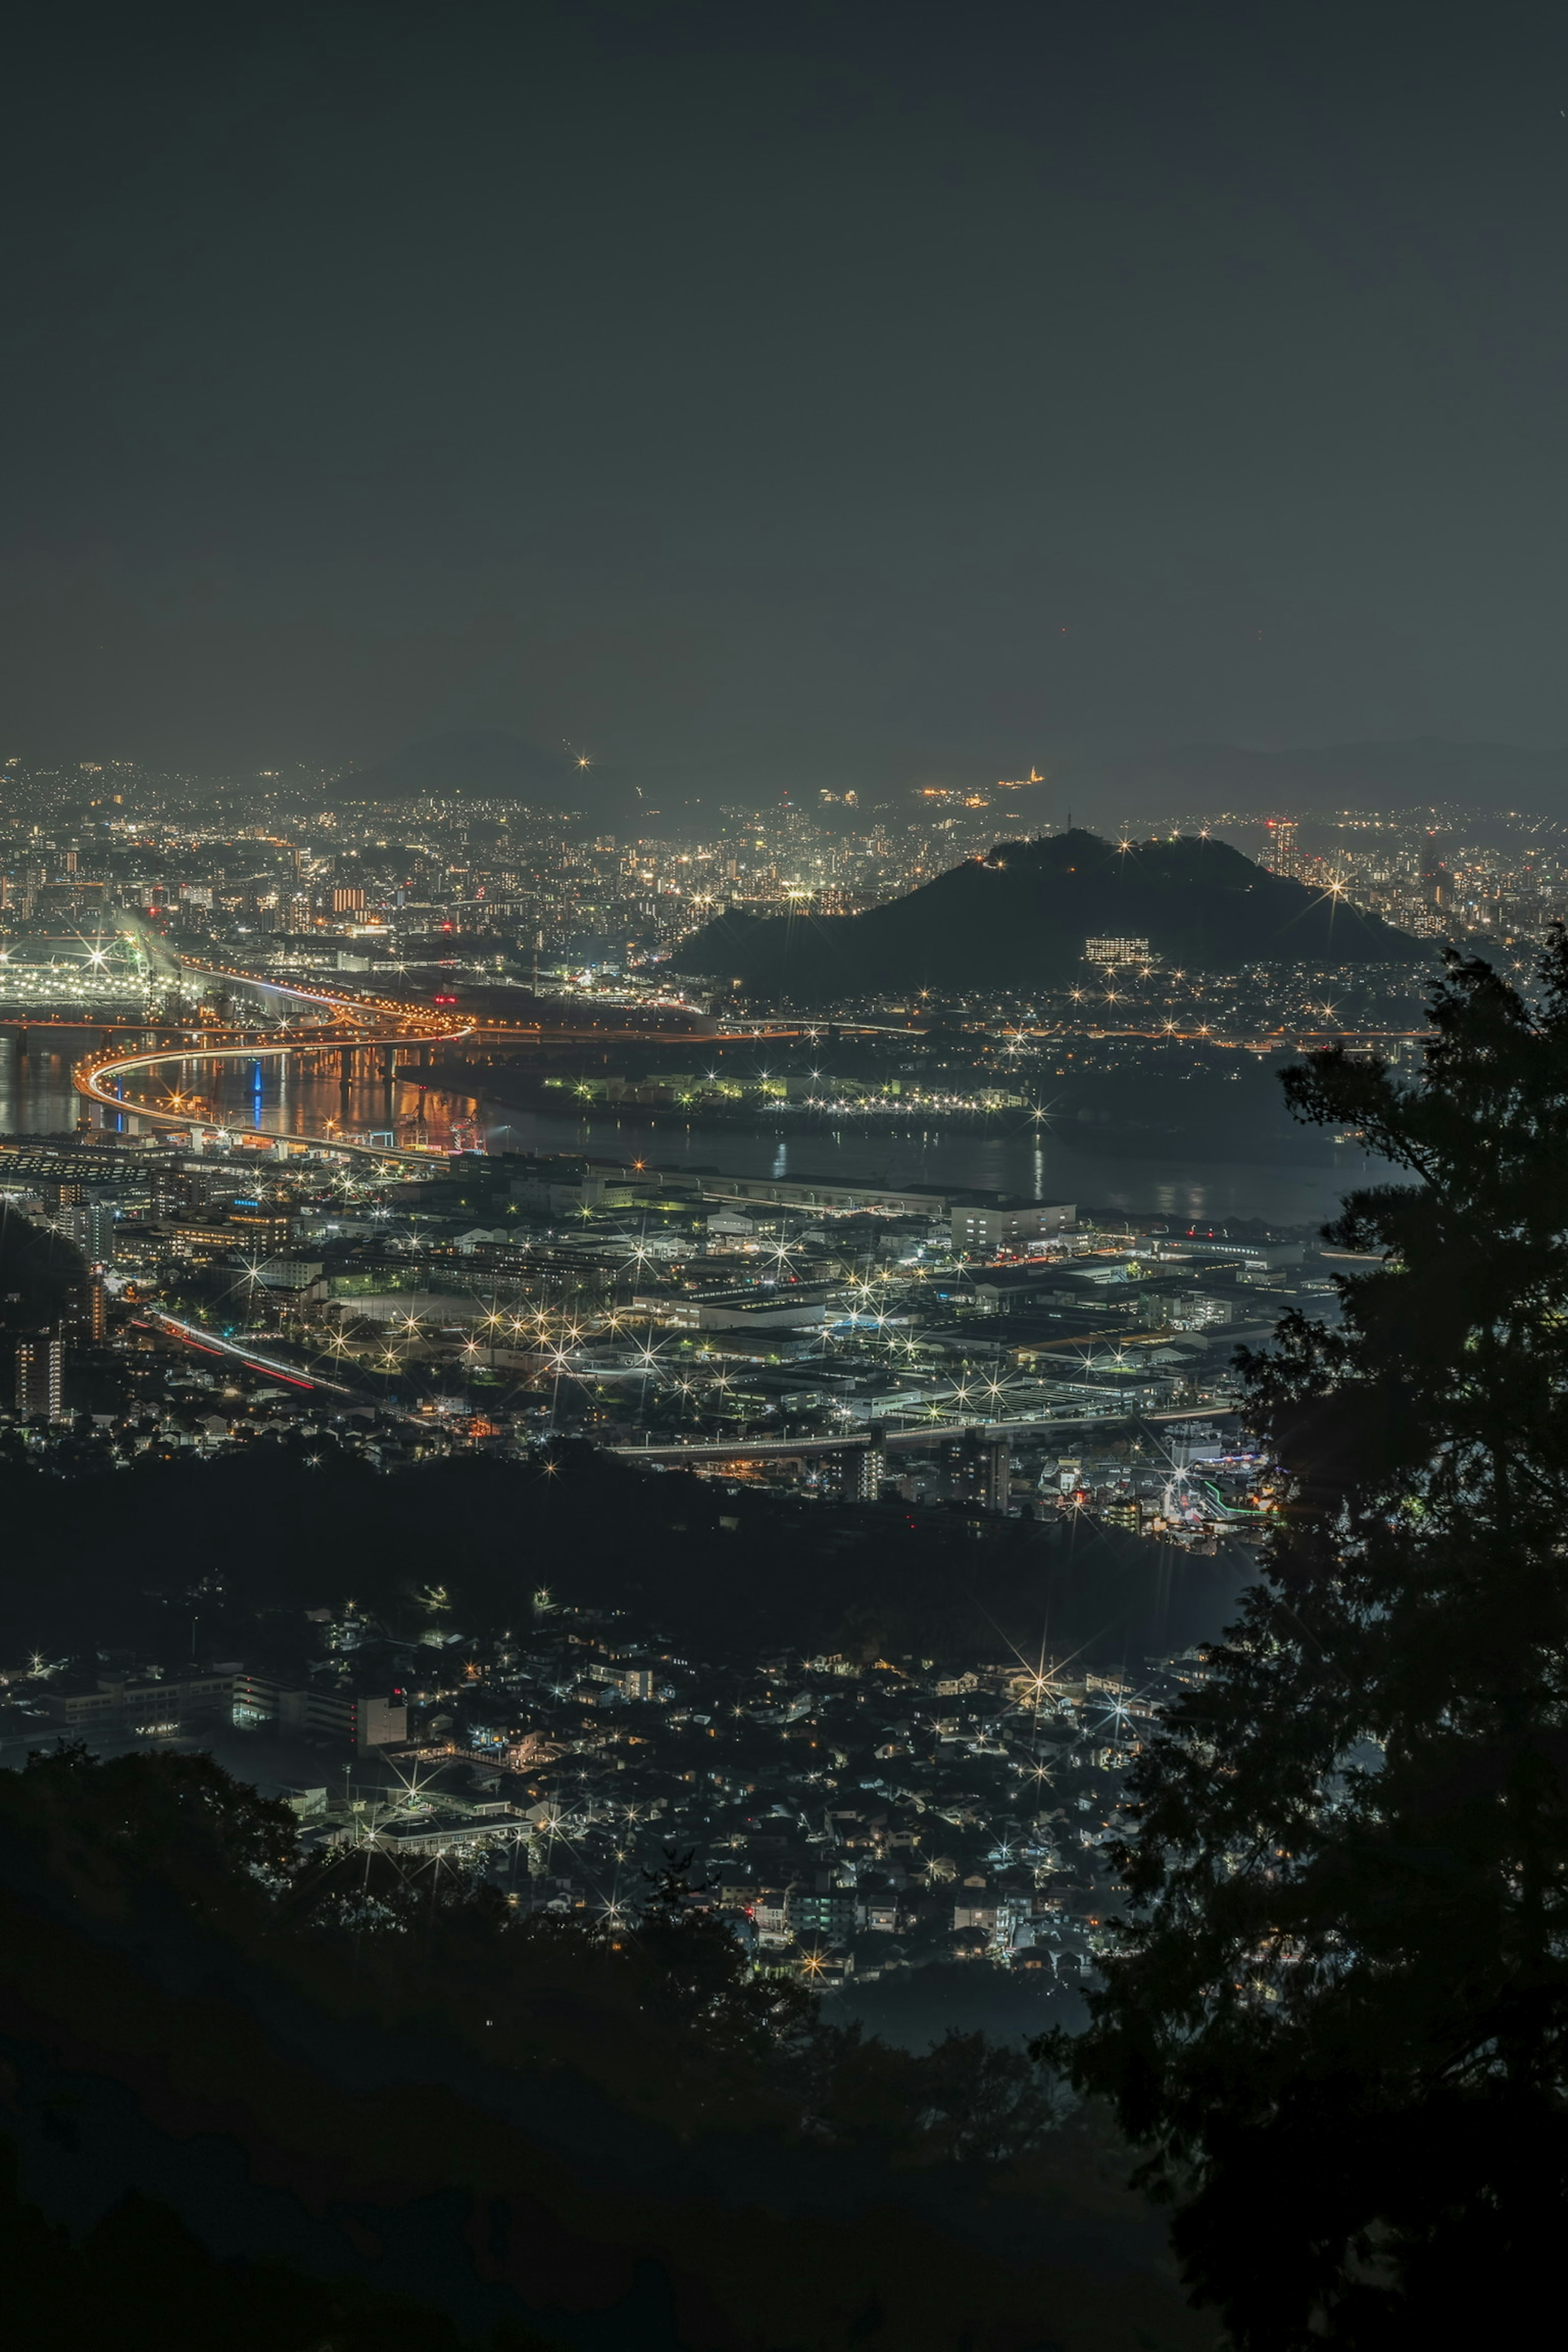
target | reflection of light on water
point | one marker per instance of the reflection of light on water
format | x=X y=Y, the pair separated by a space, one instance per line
x=36 y=1097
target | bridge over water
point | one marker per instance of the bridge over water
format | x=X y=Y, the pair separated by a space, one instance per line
x=354 y=1023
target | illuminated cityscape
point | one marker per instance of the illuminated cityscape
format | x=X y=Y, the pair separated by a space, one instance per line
x=783 y=1180
x=346 y=1161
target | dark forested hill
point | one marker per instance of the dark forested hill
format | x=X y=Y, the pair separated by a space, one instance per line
x=1020 y=915
x=473 y=762
x=485 y=763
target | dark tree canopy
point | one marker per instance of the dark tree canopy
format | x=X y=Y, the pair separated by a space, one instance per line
x=288 y=2098
x=1338 y=2021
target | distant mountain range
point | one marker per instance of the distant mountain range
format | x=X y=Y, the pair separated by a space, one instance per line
x=1019 y=918
x=487 y=764
x=1162 y=783
x=1155 y=786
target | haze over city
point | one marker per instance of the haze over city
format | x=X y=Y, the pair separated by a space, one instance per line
x=784 y=1114
x=763 y=398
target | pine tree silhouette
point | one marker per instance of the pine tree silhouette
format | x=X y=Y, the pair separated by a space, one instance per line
x=1338 y=2019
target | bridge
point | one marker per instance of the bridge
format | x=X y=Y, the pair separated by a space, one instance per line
x=485 y=1028
x=360 y=1018
x=357 y=1019
x=360 y=1021
x=94 y=1076
x=24 y=1019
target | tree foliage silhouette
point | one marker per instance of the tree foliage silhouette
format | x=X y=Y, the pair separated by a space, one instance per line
x=1337 y=2018
x=312 y=2098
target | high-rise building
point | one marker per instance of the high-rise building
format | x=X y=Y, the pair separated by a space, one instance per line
x=85 y=1321
x=91 y=1225
x=40 y=1375
x=865 y=1467
x=1280 y=854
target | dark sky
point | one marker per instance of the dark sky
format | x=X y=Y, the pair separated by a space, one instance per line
x=762 y=394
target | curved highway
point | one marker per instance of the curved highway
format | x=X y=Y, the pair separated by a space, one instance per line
x=364 y=1022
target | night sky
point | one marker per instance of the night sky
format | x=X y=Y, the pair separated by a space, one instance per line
x=761 y=396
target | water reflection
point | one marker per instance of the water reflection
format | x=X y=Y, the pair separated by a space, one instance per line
x=1214 y=1177
x=36 y=1097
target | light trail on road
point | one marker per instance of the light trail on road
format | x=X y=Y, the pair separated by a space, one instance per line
x=370 y=1023
x=194 y=1335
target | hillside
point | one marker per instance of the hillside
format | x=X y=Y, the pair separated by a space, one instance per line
x=473 y=764
x=1019 y=917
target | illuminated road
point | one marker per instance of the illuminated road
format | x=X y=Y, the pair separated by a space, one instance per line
x=192 y=1335
x=685 y=1020
x=83 y=1019
x=364 y=1022
x=898 y=1432
x=352 y=1019
x=91 y=1078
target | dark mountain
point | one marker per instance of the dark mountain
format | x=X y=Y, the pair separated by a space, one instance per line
x=475 y=764
x=1020 y=915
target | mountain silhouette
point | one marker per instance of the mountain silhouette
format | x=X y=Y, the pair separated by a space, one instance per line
x=476 y=763
x=1158 y=783
x=1019 y=918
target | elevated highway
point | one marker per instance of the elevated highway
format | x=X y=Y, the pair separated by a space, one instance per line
x=360 y=1018
x=894 y=1434
x=95 y=1078
x=354 y=1023
x=671 y=1021
x=14 y=1017
x=658 y=1023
